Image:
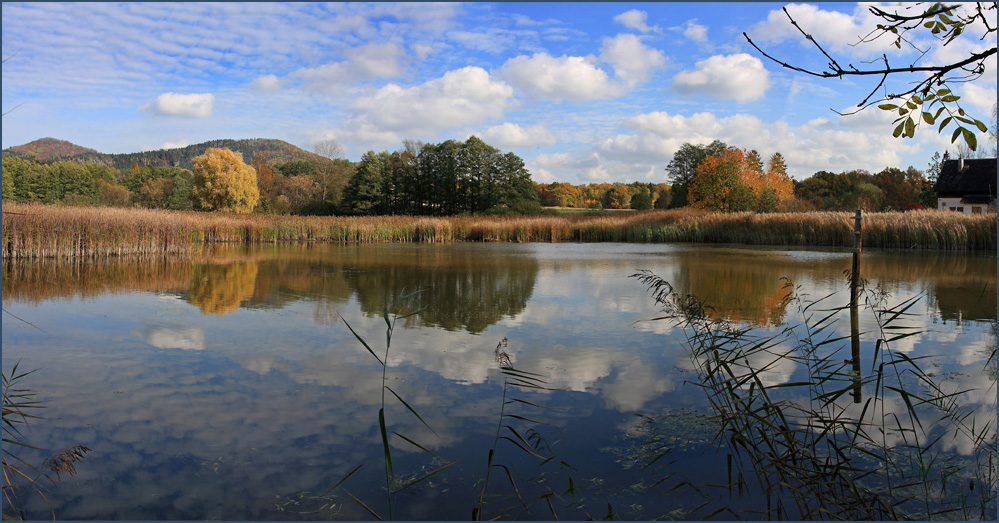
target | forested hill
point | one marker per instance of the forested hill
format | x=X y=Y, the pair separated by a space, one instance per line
x=48 y=150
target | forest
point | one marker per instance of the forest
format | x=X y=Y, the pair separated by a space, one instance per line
x=466 y=178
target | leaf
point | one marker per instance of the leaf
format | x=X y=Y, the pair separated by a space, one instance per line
x=910 y=127
x=956 y=133
x=361 y=503
x=888 y=107
x=417 y=445
x=950 y=98
x=411 y=409
x=385 y=445
x=981 y=126
x=361 y=340
x=928 y=118
x=895 y=134
x=342 y=479
x=970 y=138
x=943 y=124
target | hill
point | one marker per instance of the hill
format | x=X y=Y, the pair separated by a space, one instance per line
x=48 y=150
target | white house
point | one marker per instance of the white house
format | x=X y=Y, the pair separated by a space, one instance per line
x=967 y=185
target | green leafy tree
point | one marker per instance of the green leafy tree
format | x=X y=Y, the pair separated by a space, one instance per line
x=182 y=198
x=332 y=172
x=296 y=168
x=662 y=195
x=364 y=193
x=156 y=192
x=113 y=194
x=618 y=197
x=222 y=182
x=8 y=182
x=516 y=189
x=641 y=200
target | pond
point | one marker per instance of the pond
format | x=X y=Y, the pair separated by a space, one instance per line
x=230 y=386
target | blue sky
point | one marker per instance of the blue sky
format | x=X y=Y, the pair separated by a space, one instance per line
x=584 y=92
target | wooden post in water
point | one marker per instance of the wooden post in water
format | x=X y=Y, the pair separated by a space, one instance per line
x=858 y=242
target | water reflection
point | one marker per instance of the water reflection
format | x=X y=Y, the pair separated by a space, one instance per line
x=220 y=289
x=197 y=415
x=463 y=289
x=173 y=336
x=744 y=286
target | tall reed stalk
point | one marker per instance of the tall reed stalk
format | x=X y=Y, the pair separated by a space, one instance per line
x=37 y=231
x=21 y=478
x=811 y=451
x=392 y=485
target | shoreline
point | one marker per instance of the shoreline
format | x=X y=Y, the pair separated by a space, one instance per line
x=41 y=231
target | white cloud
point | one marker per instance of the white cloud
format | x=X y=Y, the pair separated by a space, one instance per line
x=268 y=82
x=557 y=79
x=635 y=19
x=363 y=63
x=632 y=59
x=695 y=31
x=510 y=135
x=175 y=144
x=644 y=152
x=831 y=29
x=461 y=97
x=422 y=51
x=739 y=77
x=492 y=40
x=190 y=105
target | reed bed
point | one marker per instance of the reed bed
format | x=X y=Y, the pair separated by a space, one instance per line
x=36 y=231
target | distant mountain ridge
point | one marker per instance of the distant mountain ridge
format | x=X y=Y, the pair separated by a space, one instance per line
x=49 y=150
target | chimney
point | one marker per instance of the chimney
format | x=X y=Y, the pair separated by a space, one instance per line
x=960 y=164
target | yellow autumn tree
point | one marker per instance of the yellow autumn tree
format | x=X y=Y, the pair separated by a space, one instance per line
x=223 y=182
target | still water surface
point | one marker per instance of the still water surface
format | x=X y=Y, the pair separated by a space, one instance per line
x=229 y=387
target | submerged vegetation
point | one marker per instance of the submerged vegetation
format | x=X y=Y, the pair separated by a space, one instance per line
x=32 y=231
x=844 y=442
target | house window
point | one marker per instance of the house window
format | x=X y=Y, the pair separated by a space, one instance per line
x=959 y=209
x=976 y=210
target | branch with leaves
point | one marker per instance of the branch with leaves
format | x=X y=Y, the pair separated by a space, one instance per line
x=930 y=100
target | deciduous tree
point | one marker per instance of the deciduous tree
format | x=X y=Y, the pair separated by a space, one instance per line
x=682 y=169
x=332 y=171
x=222 y=182
x=155 y=193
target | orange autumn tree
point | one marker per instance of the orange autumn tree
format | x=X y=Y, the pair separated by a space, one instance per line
x=777 y=182
x=736 y=180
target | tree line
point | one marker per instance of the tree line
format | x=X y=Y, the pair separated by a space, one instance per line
x=448 y=178
x=469 y=177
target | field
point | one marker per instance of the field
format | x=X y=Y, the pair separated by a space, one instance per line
x=38 y=231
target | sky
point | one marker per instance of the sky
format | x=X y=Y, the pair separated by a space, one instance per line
x=583 y=92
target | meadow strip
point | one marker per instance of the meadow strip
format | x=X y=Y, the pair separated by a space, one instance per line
x=38 y=231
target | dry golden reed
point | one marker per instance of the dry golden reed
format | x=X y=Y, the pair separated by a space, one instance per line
x=36 y=231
